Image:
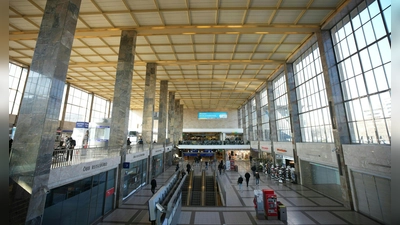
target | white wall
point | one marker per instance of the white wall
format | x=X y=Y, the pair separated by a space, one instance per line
x=191 y=121
x=317 y=152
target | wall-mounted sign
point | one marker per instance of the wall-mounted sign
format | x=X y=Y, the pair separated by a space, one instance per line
x=212 y=115
x=110 y=191
x=281 y=150
x=82 y=125
x=95 y=166
x=126 y=165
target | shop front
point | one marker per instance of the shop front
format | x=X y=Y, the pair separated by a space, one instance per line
x=157 y=162
x=81 y=202
x=168 y=156
x=135 y=173
x=238 y=154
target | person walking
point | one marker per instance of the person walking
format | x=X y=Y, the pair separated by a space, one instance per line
x=153 y=185
x=220 y=168
x=257 y=176
x=240 y=181
x=188 y=167
x=177 y=167
x=247 y=176
x=253 y=168
x=70 y=148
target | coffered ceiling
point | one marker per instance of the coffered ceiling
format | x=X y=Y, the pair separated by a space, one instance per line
x=214 y=53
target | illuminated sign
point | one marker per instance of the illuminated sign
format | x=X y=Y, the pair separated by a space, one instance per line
x=212 y=115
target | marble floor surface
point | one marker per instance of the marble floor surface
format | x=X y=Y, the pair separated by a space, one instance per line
x=304 y=206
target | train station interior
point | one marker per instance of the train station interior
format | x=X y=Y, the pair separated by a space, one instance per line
x=109 y=98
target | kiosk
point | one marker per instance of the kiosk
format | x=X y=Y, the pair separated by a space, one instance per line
x=270 y=204
x=259 y=204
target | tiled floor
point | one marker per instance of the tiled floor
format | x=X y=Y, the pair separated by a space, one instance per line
x=304 y=206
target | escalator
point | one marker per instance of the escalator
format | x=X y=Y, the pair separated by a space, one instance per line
x=185 y=190
x=210 y=191
x=200 y=190
x=196 y=191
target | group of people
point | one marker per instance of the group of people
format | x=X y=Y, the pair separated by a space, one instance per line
x=221 y=167
x=69 y=145
x=247 y=177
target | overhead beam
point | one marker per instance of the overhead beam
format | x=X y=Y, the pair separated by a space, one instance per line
x=176 y=30
x=183 y=62
x=197 y=80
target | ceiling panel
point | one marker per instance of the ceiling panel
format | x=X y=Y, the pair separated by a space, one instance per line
x=213 y=53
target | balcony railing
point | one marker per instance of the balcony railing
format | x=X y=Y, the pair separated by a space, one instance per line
x=212 y=142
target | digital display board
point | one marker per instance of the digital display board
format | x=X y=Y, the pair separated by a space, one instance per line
x=212 y=115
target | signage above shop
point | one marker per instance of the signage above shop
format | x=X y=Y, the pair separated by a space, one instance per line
x=82 y=125
x=281 y=150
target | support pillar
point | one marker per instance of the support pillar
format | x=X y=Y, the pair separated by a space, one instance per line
x=250 y=121
x=244 y=124
x=171 y=112
x=180 y=122
x=162 y=112
x=176 y=121
x=148 y=104
x=33 y=145
x=121 y=101
x=148 y=113
x=337 y=110
x=272 y=119
x=294 y=118
x=260 y=131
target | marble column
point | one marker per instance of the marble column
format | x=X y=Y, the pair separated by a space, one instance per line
x=162 y=112
x=294 y=114
x=176 y=121
x=171 y=112
x=244 y=125
x=121 y=101
x=337 y=110
x=148 y=104
x=180 y=122
x=29 y=166
x=239 y=118
x=259 y=122
x=272 y=119
x=250 y=120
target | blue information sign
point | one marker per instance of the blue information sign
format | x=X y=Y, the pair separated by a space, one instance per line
x=82 y=125
x=212 y=115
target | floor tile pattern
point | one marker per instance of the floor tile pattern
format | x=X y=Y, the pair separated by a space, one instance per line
x=304 y=206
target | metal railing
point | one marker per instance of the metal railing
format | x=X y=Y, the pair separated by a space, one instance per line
x=213 y=142
x=66 y=157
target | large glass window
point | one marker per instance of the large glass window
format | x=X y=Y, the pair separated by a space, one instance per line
x=363 y=52
x=314 y=116
x=264 y=115
x=16 y=82
x=100 y=109
x=78 y=106
x=283 y=126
